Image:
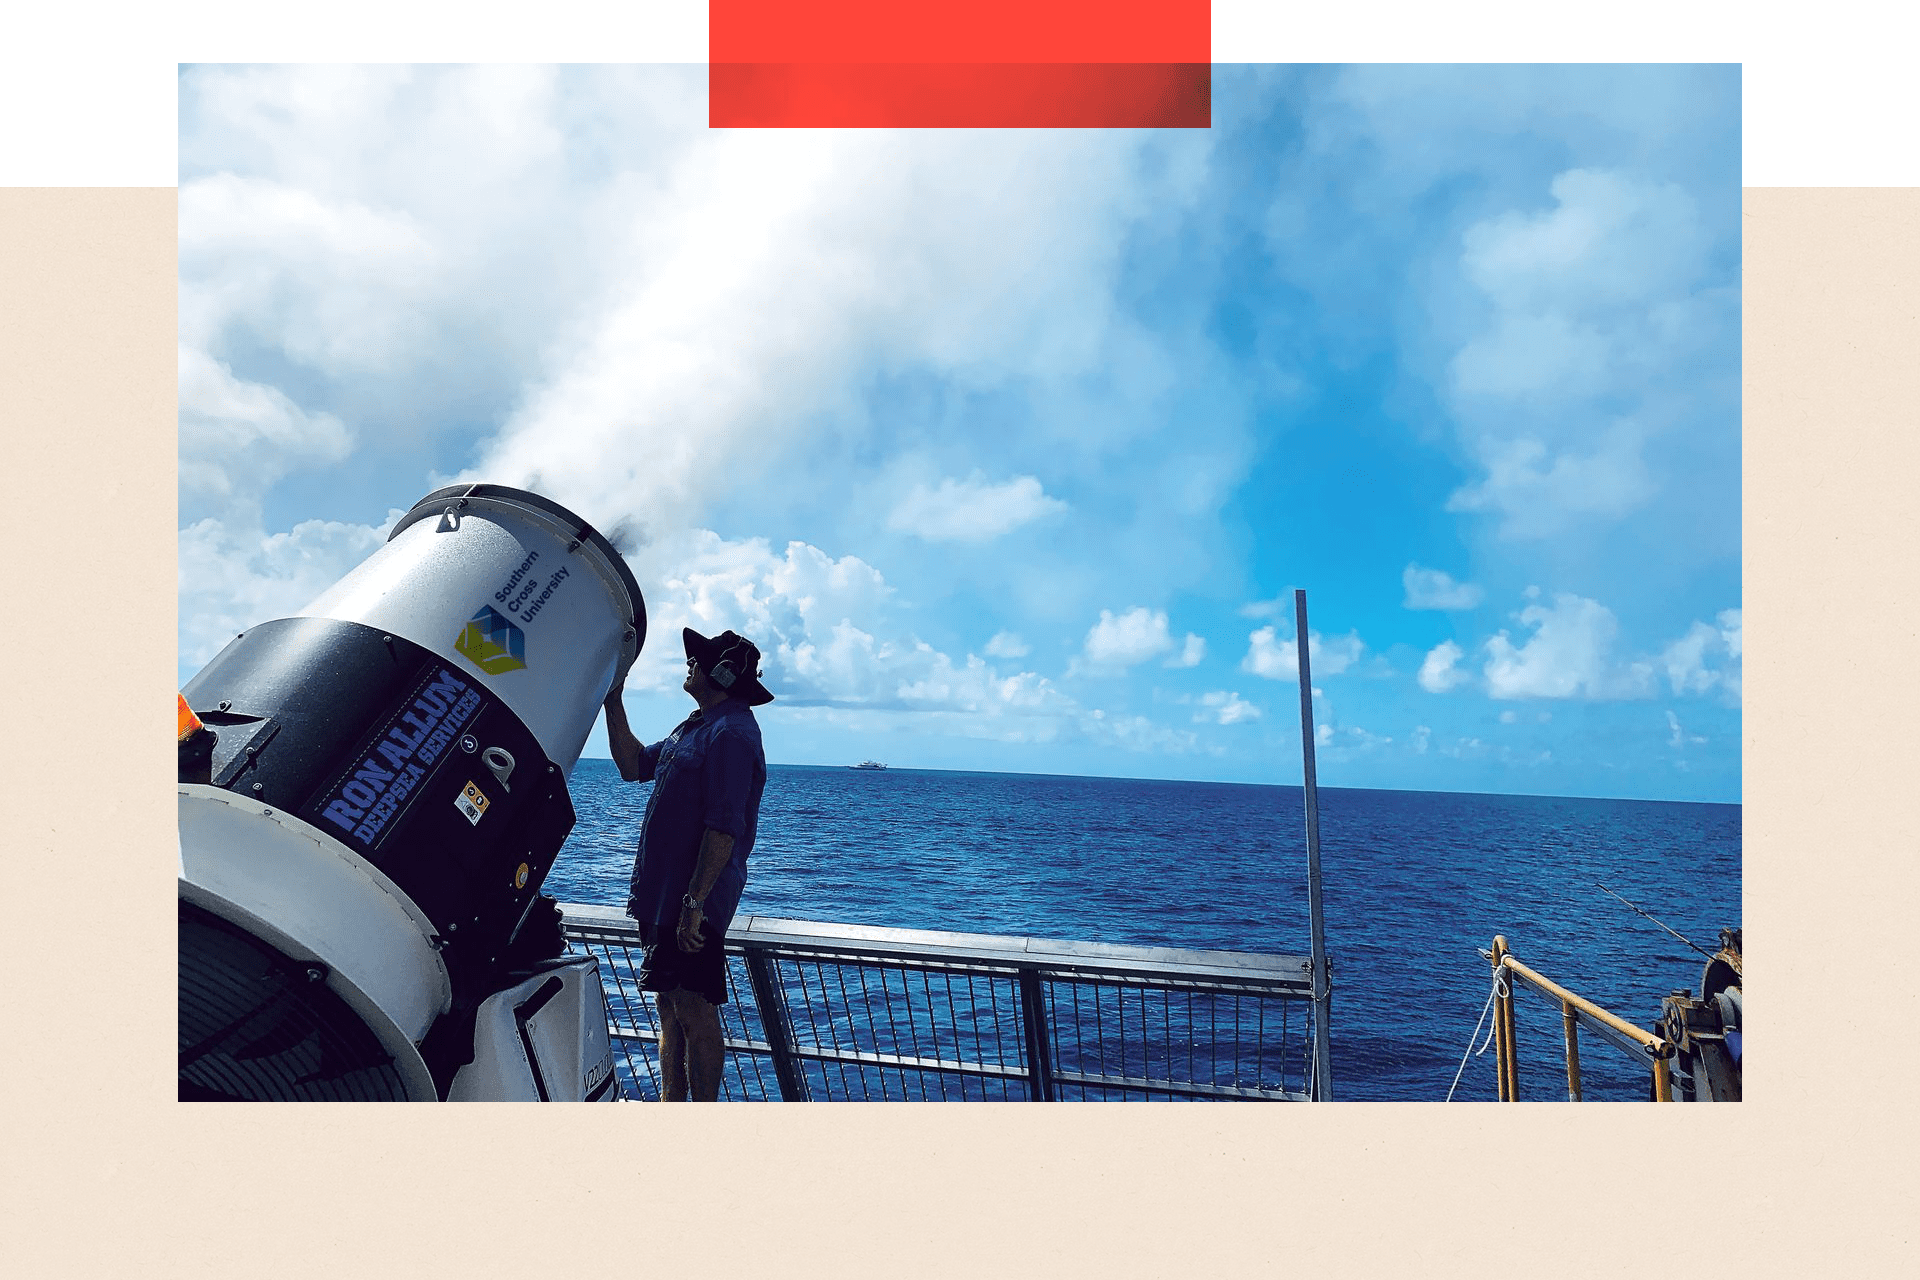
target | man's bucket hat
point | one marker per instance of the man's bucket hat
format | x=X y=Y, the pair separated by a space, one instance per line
x=730 y=662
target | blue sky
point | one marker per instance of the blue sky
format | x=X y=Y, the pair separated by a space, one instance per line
x=1009 y=448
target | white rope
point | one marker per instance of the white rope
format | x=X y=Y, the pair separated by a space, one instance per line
x=1499 y=989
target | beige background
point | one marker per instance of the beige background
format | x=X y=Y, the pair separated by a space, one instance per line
x=106 y=1175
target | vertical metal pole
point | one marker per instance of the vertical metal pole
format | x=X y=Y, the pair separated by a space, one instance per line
x=778 y=1024
x=1033 y=1009
x=1322 y=980
x=1571 y=1027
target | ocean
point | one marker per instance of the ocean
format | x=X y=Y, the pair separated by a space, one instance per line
x=1415 y=884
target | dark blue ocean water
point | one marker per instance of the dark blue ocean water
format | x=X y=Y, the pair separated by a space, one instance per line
x=1415 y=883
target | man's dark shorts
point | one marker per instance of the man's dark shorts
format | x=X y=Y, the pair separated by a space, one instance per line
x=665 y=967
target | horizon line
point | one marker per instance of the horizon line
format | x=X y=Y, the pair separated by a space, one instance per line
x=1221 y=782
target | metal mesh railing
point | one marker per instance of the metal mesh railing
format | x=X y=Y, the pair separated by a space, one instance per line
x=823 y=1012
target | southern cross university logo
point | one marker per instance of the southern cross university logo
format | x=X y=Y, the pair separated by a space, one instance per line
x=492 y=643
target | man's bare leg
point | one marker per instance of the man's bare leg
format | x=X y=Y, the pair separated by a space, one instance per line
x=699 y=1034
x=673 y=1049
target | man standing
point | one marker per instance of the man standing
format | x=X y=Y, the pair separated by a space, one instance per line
x=707 y=778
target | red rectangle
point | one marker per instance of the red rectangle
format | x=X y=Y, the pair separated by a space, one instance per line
x=979 y=31
x=1006 y=95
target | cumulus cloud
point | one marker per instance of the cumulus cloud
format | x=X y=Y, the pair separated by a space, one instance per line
x=239 y=437
x=1225 y=707
x=1580 y=325
x=1266 y=657
x=1137 y=733
x=1191 y=652
x=1569 y=654
x=1595 y=309
x=1117 y=642
x=1441 y=669
x=1679 y=737
x=1706 y=657
x=234 y=576
x=831 y=643
x=1005 y=644
x=1274 y=659
x=972 y=510
x=1422 y=736
x=1436 y=589
x=1277 y=607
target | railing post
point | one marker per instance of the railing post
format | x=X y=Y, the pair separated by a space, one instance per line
x=1513 y=1040
x=1322 y=977
x=1033 y=1010
x=778 y=1025
x=1499 y=1021
x=1571 y=1027
x=1662 y=1081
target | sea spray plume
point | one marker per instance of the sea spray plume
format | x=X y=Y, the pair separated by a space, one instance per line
x=626 y=537
x=788 y=270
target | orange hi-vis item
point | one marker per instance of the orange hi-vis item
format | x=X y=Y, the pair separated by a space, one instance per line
x=189 y=722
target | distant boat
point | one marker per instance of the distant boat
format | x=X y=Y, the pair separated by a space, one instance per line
x=867 y=764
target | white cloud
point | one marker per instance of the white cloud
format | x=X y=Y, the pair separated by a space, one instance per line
x=1441 y=670
x=238 y=437
x=1595 y=318
x=1226 y=707
x=1679 y=738
x=1268 y=656
x=1117 y=642
x=1537 y=489
x=1190 y=653
x=1137 y=733
x=558 y=278
x=1509 y=717
x=1706 y=657
x=1569 y=655
x=233 y=577
x=831 y=646
x=1435 y=589
x=1422 y=736
x=1005 y=644
x=1331 y=657
x=972 y=510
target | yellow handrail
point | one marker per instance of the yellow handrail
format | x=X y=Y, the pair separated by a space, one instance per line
x=1658 y=1048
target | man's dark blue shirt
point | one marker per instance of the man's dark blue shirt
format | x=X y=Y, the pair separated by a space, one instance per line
x=708 y=773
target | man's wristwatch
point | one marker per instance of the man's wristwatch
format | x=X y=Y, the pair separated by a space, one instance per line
x=687 y=900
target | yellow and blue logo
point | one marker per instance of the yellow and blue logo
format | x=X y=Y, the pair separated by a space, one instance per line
x=492 y=643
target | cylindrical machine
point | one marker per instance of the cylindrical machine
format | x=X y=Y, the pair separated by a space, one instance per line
x=385 y=793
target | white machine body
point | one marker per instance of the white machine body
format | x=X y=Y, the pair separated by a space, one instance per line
x=559 y=630
x=372 y=791
x=543 y=1039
